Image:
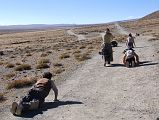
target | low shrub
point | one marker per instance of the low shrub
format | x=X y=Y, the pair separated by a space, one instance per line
x=10 y=75
x=44 y=55
x=76 y=51
x=44 y=61
x=58 y=70
x=82 y=57
x=64 y=55
x=23 y=67
x=42 y=66
x=58 y=64
x=10 y=65
x=82 y=47
x=21 y=83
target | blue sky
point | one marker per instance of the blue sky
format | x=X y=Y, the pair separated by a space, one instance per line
x=18 y=12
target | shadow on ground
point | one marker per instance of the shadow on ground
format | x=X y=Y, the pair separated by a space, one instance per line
x=143 y=63
x=49 y=105
x=147 y=63
x=117 y=65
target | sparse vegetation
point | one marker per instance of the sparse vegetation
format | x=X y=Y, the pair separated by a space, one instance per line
x=10 y=65
x=58 y=70
x=44 y=61
x=18 y=63
x=82 y=57
x=42 y=66
x=21 y=83
x=76 y=51
x=23 y=67
x=49 y=52
x=57 y=64
x=82 y=47
x=64 y=55
x=10 y=75
x=44 y=54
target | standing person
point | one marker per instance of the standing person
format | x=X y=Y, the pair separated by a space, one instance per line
x=36 y=95
x=130 y=43
x=107 y=51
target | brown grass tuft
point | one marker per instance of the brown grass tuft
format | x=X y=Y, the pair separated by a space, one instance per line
x=64 y=55
x=44 y=55
x=10 y=75
x=58 y=70
x=42 y=66
x=57 y=64
x=82 y=47
x=77 y=51
x=44 y=61
x=82 y=57
x=23 y=67
x=21 y=83
x=9 y=65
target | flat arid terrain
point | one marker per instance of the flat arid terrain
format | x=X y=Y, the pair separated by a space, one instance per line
x=87 y=89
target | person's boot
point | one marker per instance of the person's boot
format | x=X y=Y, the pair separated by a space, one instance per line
x=16 y=109
x=13 y=108
x=19 y=110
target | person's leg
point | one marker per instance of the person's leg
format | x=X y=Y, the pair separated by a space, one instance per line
x=110 y=54
x=105 y=60
x=24 y=104
x=127 y=63
x=124 y=60
x=137 y=59
x=133 y=62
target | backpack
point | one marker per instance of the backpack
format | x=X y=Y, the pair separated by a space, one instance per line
x=129 y=53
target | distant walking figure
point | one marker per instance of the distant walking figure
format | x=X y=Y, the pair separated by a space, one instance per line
x=130 y=43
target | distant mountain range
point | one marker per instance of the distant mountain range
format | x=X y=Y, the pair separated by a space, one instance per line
x=32 y=27
x=153 y=15
x=37 y=26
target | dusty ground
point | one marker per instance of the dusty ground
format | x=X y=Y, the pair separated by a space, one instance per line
x=107 y=93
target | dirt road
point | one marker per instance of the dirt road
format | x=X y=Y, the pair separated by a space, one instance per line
x=95 y=92
x=79 y=37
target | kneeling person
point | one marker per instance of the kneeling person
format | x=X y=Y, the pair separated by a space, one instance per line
x=130 y=57
x=36 y=95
